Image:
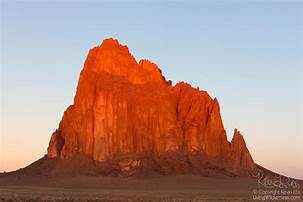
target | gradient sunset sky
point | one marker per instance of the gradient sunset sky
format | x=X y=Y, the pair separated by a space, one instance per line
x=248 y=55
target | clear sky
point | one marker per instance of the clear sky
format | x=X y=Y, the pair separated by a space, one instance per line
x=248 y=55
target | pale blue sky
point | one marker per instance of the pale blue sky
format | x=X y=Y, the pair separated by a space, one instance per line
x=248 y=55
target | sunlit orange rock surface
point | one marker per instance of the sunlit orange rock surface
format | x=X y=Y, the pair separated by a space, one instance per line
x=127 y=111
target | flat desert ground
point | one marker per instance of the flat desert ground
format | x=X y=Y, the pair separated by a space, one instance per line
x=160 y=188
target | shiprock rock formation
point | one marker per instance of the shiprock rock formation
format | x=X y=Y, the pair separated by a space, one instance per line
x=128 y=118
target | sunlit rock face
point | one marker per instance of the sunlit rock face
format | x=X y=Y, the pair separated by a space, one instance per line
x=239 y=153
x=124 y=107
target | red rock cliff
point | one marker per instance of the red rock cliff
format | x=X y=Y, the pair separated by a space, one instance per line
x=125 y=107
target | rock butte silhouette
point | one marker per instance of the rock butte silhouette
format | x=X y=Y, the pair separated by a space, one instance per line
x=128 y=120
x=126 y=112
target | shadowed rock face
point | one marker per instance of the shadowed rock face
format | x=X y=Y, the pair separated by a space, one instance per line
x=127 y=108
